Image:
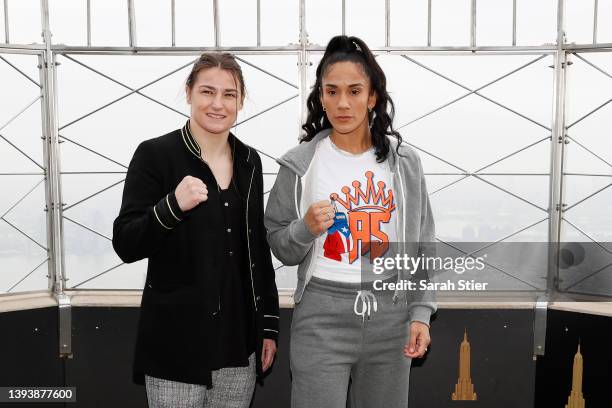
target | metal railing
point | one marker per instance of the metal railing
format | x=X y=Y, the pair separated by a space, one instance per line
x=47 y=53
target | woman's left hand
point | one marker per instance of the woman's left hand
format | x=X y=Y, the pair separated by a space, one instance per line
x=267 y=354
x=419 y=340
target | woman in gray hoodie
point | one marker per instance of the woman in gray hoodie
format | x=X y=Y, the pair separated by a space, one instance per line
x=348 y=195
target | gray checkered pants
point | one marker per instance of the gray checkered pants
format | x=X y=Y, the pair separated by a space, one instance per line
x=232 y=388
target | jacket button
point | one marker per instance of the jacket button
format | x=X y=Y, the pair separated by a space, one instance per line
x=252 y=265
x=258 y=298
x=250 y=231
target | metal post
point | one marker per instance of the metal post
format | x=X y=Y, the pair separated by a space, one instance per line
x=387 y=23
x=513 y=22
x=303 y=63
x=132 y=23
x=473 y=24
x=556 y=191
x=258 y=23
x=558 y=142
x=6 y=23
x=595 y=11
x=216 y=23
x=343 y=17
x=173 y=21
x=89 y=23
x=53 y=189
x=429 y=23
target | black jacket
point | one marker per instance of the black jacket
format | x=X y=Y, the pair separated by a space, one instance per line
x=181 y=293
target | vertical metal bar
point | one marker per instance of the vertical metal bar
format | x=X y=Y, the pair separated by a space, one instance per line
x=49 y=196
x=6 y=23
x=88 y=23
x=473 y=24
x=216 y=22
x=173 y=21
x=343 y=17
x=429 y=23
x=513 y=22
x=53 y=189
x=595 y=11
x=132 y=23
x=556 y=190
x=387 y=23
x=303 y=63
x=258 y=23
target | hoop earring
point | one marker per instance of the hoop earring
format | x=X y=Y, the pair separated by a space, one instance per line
x=324 y=110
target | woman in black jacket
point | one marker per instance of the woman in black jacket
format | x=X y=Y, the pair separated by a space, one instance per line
x=193 y=204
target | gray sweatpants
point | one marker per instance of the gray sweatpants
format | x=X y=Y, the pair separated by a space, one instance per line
x=330 y=344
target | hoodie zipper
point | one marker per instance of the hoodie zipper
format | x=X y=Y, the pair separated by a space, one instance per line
x=402 y=215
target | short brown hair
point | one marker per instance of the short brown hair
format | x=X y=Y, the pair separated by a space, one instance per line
x=225 y=61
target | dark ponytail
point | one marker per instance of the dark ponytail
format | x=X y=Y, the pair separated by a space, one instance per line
x=340 y=49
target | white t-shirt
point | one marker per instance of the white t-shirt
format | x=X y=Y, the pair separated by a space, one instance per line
x=360 y=189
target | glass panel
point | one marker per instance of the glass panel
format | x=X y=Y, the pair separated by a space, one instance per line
x=534 y=80
x=366 y=20
x=536 y=22
x=450 y=22
x=63 y=11
x=2 y=30
x=579 y=21
x=472 y=210
x=23 y=262
x=493 y=22
x=238 y=20
x=323 y=20
x=91 y=262
x=88 y=248
x=153 y=23
x=479 y=139
x=414 y=90
x=23 y=239
x=274 y=143
x=604 y=30
x=24 y=22
x=194 y=23
x=109 y=13
x=29 y=215
x=280 y=22
x=408 y=22
x=578 y=188
x=589 y=91
x=18 y=91
x=533 y=189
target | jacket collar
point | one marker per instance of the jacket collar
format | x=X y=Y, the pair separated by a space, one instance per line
x=240 y=152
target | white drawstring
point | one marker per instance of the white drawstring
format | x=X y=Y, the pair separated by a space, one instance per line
x=366 y=298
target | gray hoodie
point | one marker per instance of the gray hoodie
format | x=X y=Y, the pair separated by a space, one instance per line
x=293 y=244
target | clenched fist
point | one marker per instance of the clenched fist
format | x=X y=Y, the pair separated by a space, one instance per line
x=190 y=192
x=319 y=217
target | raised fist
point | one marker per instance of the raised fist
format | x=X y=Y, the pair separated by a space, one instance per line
x=190 y=192
x=319 y=217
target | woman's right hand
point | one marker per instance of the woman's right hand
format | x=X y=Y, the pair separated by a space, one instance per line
x=319 y=217
x=190 y=192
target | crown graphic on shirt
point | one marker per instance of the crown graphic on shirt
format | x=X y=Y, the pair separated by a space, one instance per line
x=373 y=198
